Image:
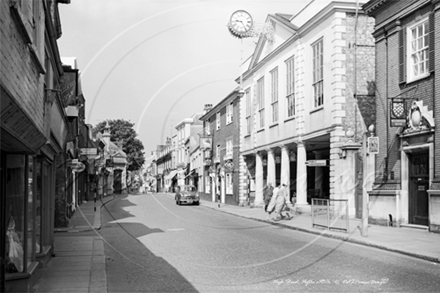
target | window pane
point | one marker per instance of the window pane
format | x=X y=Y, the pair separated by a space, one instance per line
x=30 y=228
x=15 y=213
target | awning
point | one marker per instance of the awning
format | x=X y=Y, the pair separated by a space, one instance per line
x=170 y=175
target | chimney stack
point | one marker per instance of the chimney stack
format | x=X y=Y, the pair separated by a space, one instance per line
x=208 y=107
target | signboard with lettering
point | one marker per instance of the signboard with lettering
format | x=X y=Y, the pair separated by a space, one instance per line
x=316 y=163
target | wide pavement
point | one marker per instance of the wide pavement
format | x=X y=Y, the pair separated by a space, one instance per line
x=79 y=264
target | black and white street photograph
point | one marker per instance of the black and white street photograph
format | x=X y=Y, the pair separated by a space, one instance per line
x=219 y=146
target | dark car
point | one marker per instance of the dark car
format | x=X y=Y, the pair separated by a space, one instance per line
x=187 y=194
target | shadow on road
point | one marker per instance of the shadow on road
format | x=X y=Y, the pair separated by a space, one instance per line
x=132 y=267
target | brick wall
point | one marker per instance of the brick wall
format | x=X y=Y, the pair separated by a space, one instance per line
x=436 y=106
x=18 y=70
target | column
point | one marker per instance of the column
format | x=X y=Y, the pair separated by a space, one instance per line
x=285 y=168
x=301 y=177
x=318 y=171
x=271 y=167
x=212 y=186
x=258 y=180
x=348 y=175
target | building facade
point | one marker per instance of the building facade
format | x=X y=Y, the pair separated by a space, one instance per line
x=220 y=142
x=34 y=131
x=299 y=116
x=407 y=172
x=186 y=129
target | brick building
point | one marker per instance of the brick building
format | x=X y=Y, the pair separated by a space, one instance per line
x=34 y=130
x=407 y=173
x=220 y=142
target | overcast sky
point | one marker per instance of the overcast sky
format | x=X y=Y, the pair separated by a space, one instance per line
x=156 y=63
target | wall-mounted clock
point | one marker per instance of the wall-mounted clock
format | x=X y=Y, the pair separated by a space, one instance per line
x=240 y=23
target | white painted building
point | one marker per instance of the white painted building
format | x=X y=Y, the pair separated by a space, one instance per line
x=299 y=103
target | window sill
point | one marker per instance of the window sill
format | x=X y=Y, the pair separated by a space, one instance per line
x=418 y=79
x=16 y=276
x=273 y=125
x=247 y=136
x=290 y=119
x=317 y=109
x=260 y=130
x=46 y=251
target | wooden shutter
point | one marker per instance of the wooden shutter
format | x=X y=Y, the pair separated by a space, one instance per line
x=431 y=42
x=402 y=56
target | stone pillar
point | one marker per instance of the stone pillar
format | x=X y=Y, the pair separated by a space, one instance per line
x=301 y=178
x=318 y=171
x=213 y=186
x=285 y=168
x=243 y=181
x=222 y=185
x=348 y=175
x=271 y=167
x=258 y=180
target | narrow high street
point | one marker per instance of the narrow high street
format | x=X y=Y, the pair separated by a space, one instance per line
x=154 y=245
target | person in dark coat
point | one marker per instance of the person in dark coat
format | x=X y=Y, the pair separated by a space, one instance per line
x=267 y=193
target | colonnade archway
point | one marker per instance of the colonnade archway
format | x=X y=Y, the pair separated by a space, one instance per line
x=288 y=164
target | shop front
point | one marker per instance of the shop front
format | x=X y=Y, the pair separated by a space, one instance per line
x=22 y=184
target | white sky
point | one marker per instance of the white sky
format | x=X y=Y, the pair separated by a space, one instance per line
x=156 y=62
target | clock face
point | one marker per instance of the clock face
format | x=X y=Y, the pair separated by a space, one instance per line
x=241 y=22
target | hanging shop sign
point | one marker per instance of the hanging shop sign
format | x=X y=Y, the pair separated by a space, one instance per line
x=205 y=143
x=398 y=112
x=373 y=145
x=229 y=165
x=69 y=87
x=76 y=166
x=89 y=151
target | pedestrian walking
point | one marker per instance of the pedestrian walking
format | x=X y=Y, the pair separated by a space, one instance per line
x=282 y=202
x=273 y=201
x=267 y=193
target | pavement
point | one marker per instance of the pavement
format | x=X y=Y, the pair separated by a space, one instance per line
x=79 y=262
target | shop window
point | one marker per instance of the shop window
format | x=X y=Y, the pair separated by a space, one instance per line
x=229 y=185
x=30 y=211
x=15 y=213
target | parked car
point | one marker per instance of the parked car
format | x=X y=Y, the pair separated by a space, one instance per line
x=187 y=194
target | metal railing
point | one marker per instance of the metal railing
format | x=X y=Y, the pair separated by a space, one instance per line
x=330 y=213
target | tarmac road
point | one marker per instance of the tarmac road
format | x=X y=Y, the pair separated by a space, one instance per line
x=153 y=245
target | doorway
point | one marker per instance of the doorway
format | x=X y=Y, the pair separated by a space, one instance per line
x=117 y=184
x=418 y=189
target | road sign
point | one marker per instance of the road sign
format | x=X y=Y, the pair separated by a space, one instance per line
x=316 y=163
